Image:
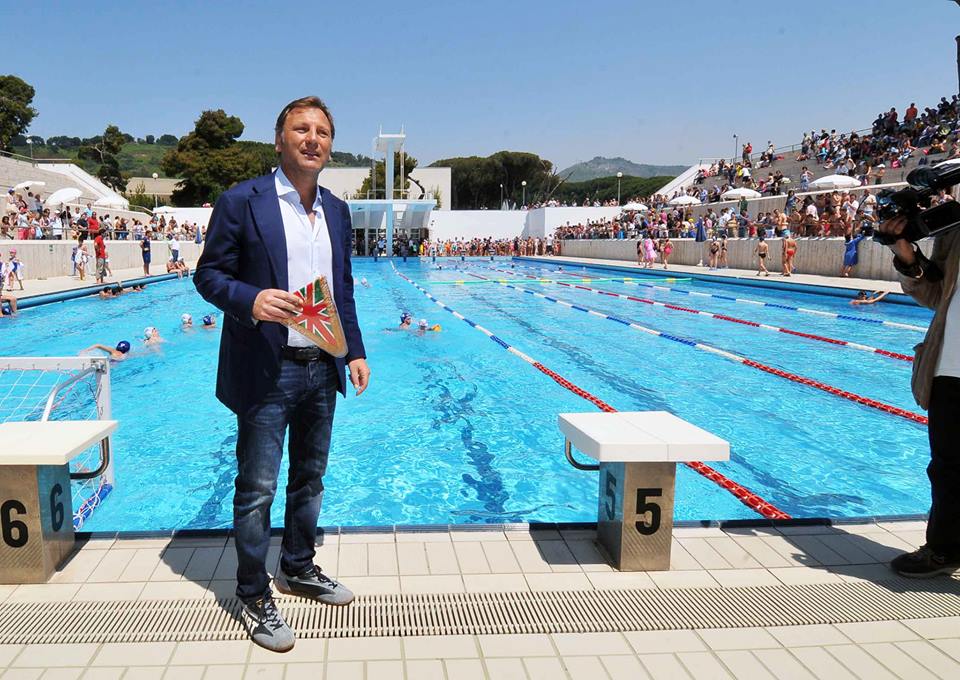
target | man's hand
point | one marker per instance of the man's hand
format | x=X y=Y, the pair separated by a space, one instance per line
x=272 y=304
x=359 y=375
x=901 y=248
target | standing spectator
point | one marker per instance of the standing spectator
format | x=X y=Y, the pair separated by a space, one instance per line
x=174 y=247
x=100 y=252
x=145 y=254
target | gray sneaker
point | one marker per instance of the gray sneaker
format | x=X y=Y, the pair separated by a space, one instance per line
x=265 y=624
x=314 y=584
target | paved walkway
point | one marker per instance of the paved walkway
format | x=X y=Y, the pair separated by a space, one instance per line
x=61 y=283
x=130 y=570
x=798 y=280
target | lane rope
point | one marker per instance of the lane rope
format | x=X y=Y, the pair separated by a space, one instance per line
x=773 y=305
x=747 y=497
x=723 y=317
x=461 y=282
x=802 y=380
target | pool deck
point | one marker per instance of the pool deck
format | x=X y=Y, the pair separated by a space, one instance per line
x=798 y=281
x=59 y=284
x=381 y=567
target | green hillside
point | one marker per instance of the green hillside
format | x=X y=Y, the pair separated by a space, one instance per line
x=142 y=160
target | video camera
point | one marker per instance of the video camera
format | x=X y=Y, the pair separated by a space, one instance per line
x=912 y=201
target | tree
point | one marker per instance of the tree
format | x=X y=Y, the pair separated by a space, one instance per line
x=104 y=151
x=139 y=196
x=476 y=181
x=150 y=139
x=16 y=114
x=210 y=160
x=167 y=140
x=409 y=165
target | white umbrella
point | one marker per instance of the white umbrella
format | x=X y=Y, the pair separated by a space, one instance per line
x=742 y=192
x=835 y=182
x=61 y=196
x=685 y=200
x=29 y=183
x=110 y=202
x=636 y=206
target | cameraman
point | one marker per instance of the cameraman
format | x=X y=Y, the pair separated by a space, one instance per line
x=936 y=387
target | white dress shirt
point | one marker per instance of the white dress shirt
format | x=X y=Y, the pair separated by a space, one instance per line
x=309 y=253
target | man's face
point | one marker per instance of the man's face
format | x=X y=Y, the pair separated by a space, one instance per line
x=305 y=140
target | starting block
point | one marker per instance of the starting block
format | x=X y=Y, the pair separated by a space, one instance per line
x=637 y=454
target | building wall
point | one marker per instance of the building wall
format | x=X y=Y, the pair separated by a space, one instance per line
x=345 y=182
x=47 y=259
x=814 y=256
x=468 y=224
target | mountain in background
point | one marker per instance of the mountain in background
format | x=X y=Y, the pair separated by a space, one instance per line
x=608 y=167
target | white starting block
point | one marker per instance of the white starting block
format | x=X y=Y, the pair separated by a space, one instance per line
x=36 y=510
x=638 y=454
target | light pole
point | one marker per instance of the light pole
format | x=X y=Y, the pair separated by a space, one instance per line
x=524 y=185
x=30 y=144
x=619 y=177
x=155 y=176
x=500 y=207
x=736 y=147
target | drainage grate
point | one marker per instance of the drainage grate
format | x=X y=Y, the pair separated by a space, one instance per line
x=486 y=613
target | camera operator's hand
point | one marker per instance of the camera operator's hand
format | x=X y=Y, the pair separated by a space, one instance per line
x=901 y=248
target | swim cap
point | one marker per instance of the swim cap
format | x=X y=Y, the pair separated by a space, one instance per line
x=208 y=320
x=422 y=323
x=123 y=346
x=405 y=317
x=186 y=318
x=148 y=332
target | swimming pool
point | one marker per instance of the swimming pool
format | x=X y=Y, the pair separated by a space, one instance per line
x=454 y=429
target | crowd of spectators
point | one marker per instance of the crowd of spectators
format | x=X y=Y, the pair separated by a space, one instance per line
x=890 y=144
x=25 y=217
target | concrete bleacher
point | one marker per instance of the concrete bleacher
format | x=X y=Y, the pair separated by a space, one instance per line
x=55 y=176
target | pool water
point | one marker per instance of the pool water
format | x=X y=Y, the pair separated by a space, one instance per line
x=454 y=429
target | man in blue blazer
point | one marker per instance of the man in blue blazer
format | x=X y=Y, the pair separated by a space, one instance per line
x=267 y=237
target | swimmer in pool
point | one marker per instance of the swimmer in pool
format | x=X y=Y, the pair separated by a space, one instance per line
x=864 y=299
x=209 y=321
x=364 y=282
x=9 y=300
x=106 y=293
x=151 y=336
x=405 y=321
x=118 y=353
x=423 y=327
x=186 y=321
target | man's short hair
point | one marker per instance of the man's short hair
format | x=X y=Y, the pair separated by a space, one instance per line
x=305 y=103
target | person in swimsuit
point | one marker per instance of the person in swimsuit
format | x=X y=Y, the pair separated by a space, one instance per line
x=640 y=252
x=789 y=251
x=714 y=253
x=118 y=353
x=665 y=249
x=761 y=253
x=722 y=261
x=864 y=299
x=650 y=255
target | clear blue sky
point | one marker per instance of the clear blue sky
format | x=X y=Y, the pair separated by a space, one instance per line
x=654 y=82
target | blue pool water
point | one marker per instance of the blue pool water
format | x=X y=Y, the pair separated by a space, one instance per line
x=454 y=429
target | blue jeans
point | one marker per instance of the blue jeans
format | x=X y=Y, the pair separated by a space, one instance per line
x=303 y=398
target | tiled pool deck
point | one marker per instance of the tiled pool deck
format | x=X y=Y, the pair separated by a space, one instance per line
x=186 y=569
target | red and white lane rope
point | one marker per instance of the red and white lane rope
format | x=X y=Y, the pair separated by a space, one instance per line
x=809 y=382
x=723 y=317
x=760 y=303
x=747 y=497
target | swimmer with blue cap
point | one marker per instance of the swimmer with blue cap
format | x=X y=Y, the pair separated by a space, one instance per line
x=119 y=353
x=209 y=321
x=405 y=320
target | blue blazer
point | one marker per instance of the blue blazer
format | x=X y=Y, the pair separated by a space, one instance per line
x=246 y=252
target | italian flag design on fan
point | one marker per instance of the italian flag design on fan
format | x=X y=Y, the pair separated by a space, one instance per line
x=319 y=321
